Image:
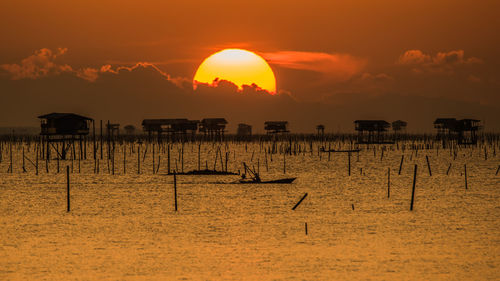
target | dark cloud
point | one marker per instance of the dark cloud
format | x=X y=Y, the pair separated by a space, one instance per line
x=41 y=64
x=44 y=63
x=442 y=62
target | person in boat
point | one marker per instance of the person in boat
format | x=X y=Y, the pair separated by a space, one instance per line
x=257 y=177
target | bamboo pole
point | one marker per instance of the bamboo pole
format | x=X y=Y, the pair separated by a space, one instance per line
x=265 y=156
x=139 y=159
x=413 y=188
x=24 y=167
x=465 y=175
x=11 y=167
x=94 y=140
x=36 y=159
x=100 y=139
x=388 y=182
x=158 y=168
x=175 y=191
x=168 y=158
x=124 y=159
x=428 y=165
x=284 y=163
x=300 y=201
x=401 y=164
x=349 y=163
x=182 y=157
x=113 y=159
x=67 y=189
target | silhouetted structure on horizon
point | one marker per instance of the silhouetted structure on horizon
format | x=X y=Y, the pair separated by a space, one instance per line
x=64 y=129
x=169 y=126
x=372 y=131
x=398 y=126
x=129 y=129
x=244 y=130
x=464 y=131
x=276 y=127
x=213 y=126
x=320 y=129
x=113 y=130
x=444 y=126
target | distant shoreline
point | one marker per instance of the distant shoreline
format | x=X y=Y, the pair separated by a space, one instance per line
x=346 y=137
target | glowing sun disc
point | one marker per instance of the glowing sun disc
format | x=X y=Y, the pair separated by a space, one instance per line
x=238 y=66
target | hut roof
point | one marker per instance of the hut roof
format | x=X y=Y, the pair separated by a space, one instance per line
x=214 y=120
x=382 y=122
x=399 y=122
x=56 y=115
x=467 y=124
x=167 y=121
x=371 y=125
x=456 y=125
x=276 y=123
x=445 y=120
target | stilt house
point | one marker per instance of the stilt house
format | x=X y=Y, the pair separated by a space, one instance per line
x=276 y=127
x=244 y=130
x=320 y=129
x=63 y=129
x=129 y=129
x=398 y=126
x=464 y=131
x=372 y=131
x=213 y=126
x=169 y=126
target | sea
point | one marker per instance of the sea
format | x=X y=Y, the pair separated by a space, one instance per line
x=354 y=221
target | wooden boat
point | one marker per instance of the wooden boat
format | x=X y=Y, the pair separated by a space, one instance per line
x=250 y=181
x=204 y=173
x=255 y=178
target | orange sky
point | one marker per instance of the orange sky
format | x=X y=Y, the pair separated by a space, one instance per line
x=442 y=54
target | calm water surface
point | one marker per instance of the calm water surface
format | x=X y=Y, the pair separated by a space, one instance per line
x=124 y=226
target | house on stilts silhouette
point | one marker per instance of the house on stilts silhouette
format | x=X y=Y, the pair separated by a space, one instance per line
x=462 y=131
x=60 y=131
x=320 y=129
x=372 y=131
x=170 y=127
x=276 y=127
x=213 y=127
x=244 y=130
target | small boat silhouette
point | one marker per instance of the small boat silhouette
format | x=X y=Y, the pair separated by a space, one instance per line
x=255 y=178
x=285 y=180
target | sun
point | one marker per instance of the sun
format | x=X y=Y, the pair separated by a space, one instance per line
x=238 y=66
